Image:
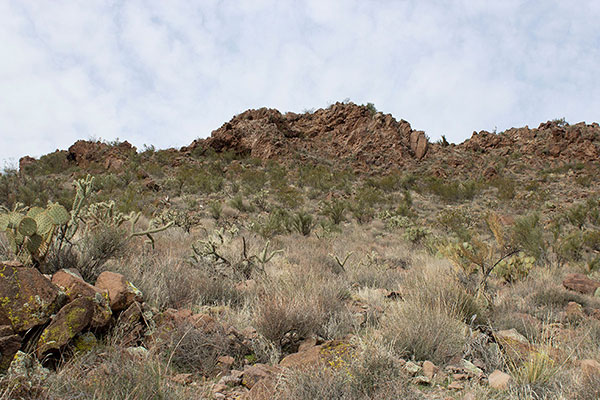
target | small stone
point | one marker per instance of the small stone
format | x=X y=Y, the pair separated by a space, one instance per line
x=230 y=380
x=456 y=386
x=85 y=342
x=590 y=367
x=307 y=344
x=429 y=369
x=138 y=352
x=412 y=368
x=226 y=362
x=460 y=377
x=421 y=380
x=253 y=374
x=470 y=368
x=499 y=380
x=574 y=311
x=182 y=379
x=219 y=388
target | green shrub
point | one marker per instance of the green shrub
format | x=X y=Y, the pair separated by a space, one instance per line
x=335 y=210
x=452 y=191
x=528 y=235
x=303 y=223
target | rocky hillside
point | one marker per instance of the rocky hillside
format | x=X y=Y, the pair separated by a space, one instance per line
x=358 y=136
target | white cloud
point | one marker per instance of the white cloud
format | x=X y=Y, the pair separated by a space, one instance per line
x=164 y=73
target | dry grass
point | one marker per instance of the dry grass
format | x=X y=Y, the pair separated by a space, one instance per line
x=299 y=304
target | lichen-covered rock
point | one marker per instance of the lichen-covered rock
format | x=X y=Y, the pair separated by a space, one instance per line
x=120 y=291
x=27 y=298
x=28 y=367
x=333 y=353
x=85 y=342
x=66 y=324
x=9 y=345
x=71 y=282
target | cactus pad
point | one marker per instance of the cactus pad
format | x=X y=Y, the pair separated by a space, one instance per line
x=44 y=223
x=34 y=243
x=4 y=222
x=27 y=226
x=59 y=214
x=34 y=211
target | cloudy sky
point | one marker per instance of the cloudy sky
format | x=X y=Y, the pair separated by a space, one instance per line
x=167 y=72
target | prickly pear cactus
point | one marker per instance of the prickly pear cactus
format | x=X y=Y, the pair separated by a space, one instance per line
x=30 y=231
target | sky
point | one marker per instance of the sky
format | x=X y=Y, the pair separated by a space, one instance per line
x=164 y=73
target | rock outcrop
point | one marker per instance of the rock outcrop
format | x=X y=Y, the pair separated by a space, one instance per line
x=345 y=132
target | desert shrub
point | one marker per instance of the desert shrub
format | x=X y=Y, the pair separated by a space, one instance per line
x=253 y=179
x=53 y=163
x=506 y=188
x=456 y=222
x=335 y=210
x=576 y=215
x=275 y=223
x=115 y=375
x=298 y=307
x=555 y=296
x=97 y=247
x=452 y=191
x=303 y=223
x=288 y=196
x=197 y=351
x=438 y=289
x=423 y=332
x=215 y=209
x=196 y=179
x=371 y=375
x=240 y=204
x=362 y=212
x=528 y=235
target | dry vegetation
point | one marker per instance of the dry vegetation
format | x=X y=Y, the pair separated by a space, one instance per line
x=404 y=267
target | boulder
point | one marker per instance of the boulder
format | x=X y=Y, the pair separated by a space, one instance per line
x=71 y=282
x=331 y=353
x=9 y=345
x=27 y=298
x=515 y=345
x=120 y=291
x=580 y=283
x=419 y=144
x=257 y=372
x=429 y=369
x=66 y=324
x=499 y=380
